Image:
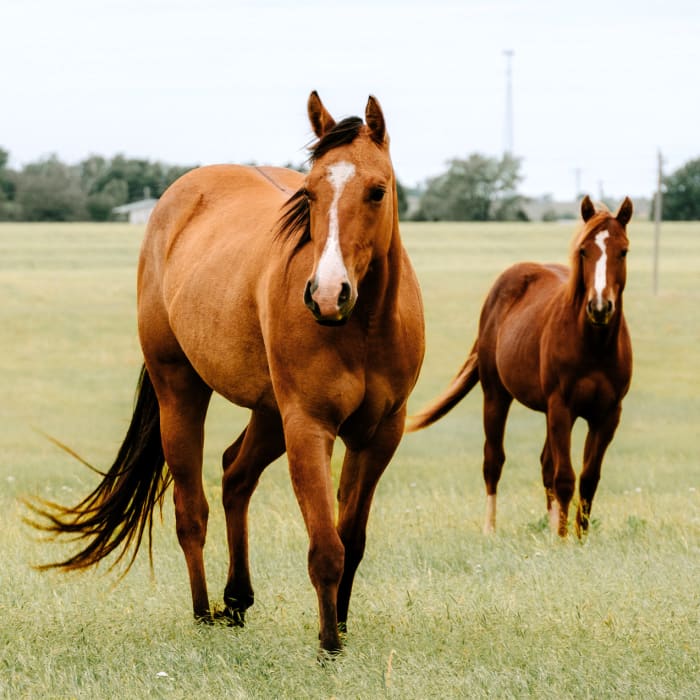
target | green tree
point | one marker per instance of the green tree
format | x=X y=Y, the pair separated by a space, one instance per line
x=479 y=188
x=143 y=178
x=681 y=194
x=100 y=204
x=8 y=186
x=92 y=171
x=402 y=199
x=49 y=190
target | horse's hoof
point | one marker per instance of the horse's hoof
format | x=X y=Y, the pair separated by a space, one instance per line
x=232 y=617
x=325 y=657
x=204 y=618
x=227 y=616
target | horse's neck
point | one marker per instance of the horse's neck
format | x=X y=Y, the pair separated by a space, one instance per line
x=382 y=283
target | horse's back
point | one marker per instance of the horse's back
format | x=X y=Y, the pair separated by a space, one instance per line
x=225 y=202
x=521 y=291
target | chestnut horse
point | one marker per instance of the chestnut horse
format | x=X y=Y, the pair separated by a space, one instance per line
x=556 y=340
x=294 y=297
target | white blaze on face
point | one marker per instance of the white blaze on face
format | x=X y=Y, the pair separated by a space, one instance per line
x=331 y=271
x=601 y=268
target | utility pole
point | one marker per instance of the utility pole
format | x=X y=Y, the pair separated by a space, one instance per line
x=658 y=203
x=577 y=175
x=508 y=146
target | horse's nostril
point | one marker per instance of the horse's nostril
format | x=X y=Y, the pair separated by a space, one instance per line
x=308 y=299
x=609 y=306
x=344 y=295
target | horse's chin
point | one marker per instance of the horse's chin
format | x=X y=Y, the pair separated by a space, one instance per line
x=332 y=322
x=599 y=322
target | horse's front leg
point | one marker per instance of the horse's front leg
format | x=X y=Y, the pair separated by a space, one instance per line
x=362 y=468
x=309 y=447
x=600 y=435
x=559 y=425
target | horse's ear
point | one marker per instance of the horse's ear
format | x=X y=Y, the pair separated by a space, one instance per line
x=375 y=120
x=587 y=208
x=320 y=118
x=624 y=213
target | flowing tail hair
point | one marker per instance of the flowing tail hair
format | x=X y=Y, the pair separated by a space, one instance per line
x=460 y=386
x=118 y=512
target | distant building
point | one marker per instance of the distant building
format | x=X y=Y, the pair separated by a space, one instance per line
x=135 y=212
x=546 y=209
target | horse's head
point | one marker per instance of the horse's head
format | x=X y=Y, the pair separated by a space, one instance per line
x=351 y=197
x=600 y=268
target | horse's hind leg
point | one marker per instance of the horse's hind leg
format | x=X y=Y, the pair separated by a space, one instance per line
x=258 y=445
x=496 y=406
x=361 y=471
x=548 y=474
x=183 y=399
x=600 y=435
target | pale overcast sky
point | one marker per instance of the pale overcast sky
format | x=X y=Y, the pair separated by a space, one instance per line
x=598 y=86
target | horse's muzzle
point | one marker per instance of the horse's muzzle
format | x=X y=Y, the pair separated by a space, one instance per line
x=600 y=314
x=332 y=314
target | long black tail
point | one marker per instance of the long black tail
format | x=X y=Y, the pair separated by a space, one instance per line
x=116 y=514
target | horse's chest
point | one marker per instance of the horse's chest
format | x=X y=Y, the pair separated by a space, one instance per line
x=593 y=394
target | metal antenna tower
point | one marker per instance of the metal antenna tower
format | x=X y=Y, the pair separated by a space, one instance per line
x=508 y=150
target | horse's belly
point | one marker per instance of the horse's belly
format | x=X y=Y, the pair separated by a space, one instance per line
x=220 y=335
x=518 y=362
x=239 y=375
x=510 y=331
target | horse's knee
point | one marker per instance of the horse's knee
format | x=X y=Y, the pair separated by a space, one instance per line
x=326 y=563
x=191 y=517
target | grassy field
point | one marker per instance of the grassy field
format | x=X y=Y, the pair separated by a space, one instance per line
x=438 y=611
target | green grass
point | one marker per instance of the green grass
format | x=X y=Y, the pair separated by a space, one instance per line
x=438 y=611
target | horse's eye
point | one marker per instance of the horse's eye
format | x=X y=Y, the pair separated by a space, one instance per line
x=582 y=252
x=623 y=253
x=376 y=194
x=310 y=195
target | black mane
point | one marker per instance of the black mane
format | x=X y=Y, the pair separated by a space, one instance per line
x=342 y=133
x=294 y=218
x=295 y=211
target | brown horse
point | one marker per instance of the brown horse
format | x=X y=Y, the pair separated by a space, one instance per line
x=556 y=340
x=304 y=309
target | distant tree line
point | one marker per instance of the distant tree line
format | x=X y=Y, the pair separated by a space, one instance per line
x=475 y=188
x=49 y=190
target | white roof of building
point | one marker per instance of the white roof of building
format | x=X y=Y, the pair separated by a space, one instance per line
x=135 y=206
